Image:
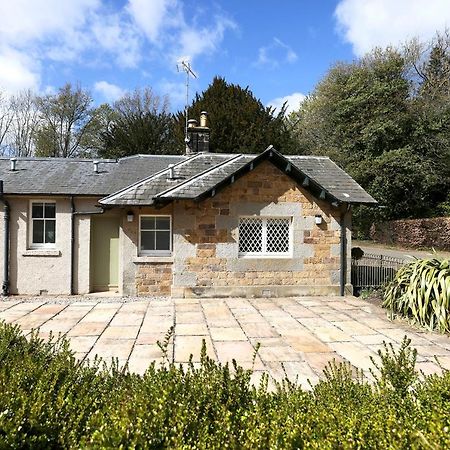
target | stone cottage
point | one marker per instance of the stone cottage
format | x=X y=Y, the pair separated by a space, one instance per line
x=199 y=224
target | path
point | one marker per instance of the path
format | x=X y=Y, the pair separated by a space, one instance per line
x=302 y=334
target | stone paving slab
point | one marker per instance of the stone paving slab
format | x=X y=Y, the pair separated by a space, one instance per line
x=297 y=336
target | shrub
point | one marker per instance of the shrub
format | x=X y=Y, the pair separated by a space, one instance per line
x=421 y=291
x=48 y=400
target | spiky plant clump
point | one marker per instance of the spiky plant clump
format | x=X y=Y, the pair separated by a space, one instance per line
x=421 y=291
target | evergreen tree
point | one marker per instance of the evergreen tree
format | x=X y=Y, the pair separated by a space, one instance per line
x=390 y=137
x=139 y=122
x=239 y=122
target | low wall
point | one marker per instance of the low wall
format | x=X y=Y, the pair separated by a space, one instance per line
x=414 y=233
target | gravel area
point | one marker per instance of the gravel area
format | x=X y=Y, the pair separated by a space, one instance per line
x=68 y=299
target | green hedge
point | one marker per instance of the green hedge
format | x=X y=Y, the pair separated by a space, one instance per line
x=48 y=400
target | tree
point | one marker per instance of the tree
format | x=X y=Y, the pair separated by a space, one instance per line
x=139 y=122
x=65 y=122
x=25 y=120
x=239 y=122
x=402 y=181
x=430 y=109
x=5 y=120
x=385 y=128
x=358 y=111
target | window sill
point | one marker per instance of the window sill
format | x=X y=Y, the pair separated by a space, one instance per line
x=265 y=256
x=153 y=259
x=41 y=252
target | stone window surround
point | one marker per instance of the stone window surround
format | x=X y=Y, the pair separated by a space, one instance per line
x=264 y=219
x=154 y=253
x=39 y=246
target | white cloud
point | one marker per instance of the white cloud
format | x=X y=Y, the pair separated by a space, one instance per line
x=165 y=24
x=36 y=33
x=195 y=41
x=152 y=16
x=115 y=36
x=25 y=20
x=369 y=23
x=33 y=30
x=276 y=53
x=17 y=71
x=293 y=102
x=109 y=91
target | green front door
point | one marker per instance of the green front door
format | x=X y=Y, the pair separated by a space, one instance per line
x=104 y=253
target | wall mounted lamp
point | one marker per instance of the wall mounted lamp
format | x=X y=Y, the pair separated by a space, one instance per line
x=130 y=216
x=318 y=219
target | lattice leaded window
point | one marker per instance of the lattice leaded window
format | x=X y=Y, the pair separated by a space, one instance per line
x=264 y=236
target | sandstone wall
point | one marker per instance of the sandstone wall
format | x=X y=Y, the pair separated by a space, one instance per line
x=206 y=258
x=414 y=233
x=142 y=275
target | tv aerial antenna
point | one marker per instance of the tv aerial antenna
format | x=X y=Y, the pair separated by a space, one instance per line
x=185 y=66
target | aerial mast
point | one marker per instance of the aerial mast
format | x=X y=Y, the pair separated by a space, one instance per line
x=185 y=66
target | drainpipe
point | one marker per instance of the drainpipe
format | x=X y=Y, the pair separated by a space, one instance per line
x=343 y=242
x=5 y=285
x=72 y=245
x=74 y=213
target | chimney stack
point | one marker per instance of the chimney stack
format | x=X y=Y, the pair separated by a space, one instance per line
x=198 y=136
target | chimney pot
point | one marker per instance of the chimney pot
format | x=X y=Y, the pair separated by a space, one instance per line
x=203 y=119
x=13 y=162
x=96 y=163
x=192 y=123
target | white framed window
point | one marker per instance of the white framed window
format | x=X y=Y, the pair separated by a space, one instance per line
x=42 y=223
x=155 y=235
x=265 y=237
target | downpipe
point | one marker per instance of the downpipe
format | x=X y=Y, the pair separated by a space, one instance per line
x=72 y=245
x=6 y=218
x=343 y=252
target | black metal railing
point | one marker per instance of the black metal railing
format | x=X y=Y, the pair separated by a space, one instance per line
x=373 y=271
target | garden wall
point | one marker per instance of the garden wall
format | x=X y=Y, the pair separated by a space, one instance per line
x=415 y=233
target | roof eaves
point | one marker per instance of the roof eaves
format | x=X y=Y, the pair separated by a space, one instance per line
x=369 y=203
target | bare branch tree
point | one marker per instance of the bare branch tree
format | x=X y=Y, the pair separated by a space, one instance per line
x=66 y=118
x=24 y=124
x=5 y=120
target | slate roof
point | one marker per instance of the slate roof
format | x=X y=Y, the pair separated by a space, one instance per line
x=144 y=179
x=64 y=176
x=204 y=174
x=332 y=178
x=144 y=191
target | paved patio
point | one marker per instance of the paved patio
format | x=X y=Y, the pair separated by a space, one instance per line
x=302 y=334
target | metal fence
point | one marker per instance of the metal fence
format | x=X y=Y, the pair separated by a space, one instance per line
x=373 y=271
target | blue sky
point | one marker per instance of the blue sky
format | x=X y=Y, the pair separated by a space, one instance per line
x=279 y=49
